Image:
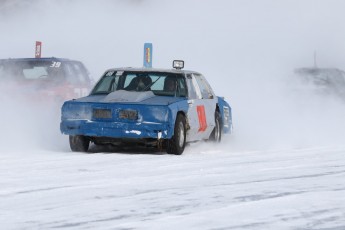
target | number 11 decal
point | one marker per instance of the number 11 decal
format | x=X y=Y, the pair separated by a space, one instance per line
x=202 y=118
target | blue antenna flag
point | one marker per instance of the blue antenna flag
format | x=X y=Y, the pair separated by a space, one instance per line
x=148 y=55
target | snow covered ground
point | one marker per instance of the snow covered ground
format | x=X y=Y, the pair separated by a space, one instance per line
x=279 y=170
x=209 y=187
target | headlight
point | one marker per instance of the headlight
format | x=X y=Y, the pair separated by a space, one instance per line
x=178 y=64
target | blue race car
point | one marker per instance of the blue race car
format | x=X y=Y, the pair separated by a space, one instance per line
x=161 y=108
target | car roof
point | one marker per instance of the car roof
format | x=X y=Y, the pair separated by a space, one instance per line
x=177 y=71
x=38 y=59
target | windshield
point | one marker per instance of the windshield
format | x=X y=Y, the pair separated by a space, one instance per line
x=160 y=83
x=43 y=70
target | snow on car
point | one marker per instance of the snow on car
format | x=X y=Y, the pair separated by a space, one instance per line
x=160 y=108
x=54 y=79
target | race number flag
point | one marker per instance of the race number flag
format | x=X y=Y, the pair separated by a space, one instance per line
x=38 y=49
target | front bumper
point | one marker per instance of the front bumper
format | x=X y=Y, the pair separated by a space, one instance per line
x=116 y=129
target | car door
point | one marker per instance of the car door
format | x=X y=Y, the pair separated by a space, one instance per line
x=202 y=106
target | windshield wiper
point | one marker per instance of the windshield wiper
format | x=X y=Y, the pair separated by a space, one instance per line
x=147 y=87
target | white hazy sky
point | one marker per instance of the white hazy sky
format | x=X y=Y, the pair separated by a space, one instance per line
x=209 y=35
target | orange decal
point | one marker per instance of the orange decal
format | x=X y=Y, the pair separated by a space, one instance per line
x=148 y=57
x=202 y=118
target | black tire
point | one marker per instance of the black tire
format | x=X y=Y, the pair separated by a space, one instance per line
x=79 y=143
x=177 y=143
x=216 y=135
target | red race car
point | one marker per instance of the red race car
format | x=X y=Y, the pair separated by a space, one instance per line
x=47 y=79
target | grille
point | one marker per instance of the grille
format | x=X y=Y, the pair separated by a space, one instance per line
x=128 y=114
x=101 y=113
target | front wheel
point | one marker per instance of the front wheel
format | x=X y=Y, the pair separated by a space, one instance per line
x=79 y=143
x=177 y=143
x=216 y=135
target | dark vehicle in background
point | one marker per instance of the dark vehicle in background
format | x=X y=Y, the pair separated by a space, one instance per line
x=52 y=79
x=325 y=81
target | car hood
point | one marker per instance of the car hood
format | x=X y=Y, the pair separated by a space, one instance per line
x=130 y=97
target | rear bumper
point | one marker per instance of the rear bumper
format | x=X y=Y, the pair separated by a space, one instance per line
x=115 y=129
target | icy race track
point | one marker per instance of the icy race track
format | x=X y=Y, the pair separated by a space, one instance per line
x=206 y=188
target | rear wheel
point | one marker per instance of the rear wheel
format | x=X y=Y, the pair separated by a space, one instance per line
x=177 y=143
x=216 y=135
x=79 y=143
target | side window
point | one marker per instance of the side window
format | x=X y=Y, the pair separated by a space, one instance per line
x=76 y=73
x=205 y=88
x=209 y=89
x=69 y=73
x=193 y=88
x=108 y=83
x=182 y=87
x=80 y=72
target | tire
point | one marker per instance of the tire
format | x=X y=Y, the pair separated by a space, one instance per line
x=79 y=143
x=177 y=143
x=216 y=135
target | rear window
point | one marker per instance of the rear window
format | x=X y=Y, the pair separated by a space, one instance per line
x=53 y=71
x=32 y=70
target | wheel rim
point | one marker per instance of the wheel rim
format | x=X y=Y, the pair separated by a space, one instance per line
x=181 y=135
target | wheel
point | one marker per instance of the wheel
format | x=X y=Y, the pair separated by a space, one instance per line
x=79 y=143
x=177 y=143
x=216 y=135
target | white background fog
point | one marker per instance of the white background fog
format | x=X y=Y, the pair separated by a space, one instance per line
x=247 y=50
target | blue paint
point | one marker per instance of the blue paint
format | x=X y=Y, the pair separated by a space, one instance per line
x=77 y=119
x=227 y=123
